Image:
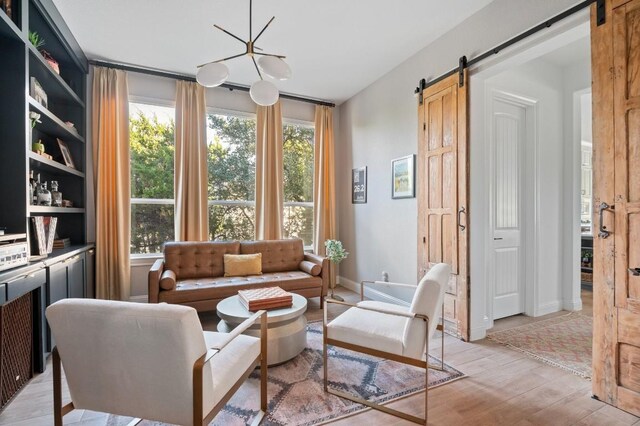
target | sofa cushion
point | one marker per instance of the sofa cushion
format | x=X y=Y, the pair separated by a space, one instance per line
x=189 y=259
x=277 y=255
x=241 y=265
x=310 y=268
x=168 y=280
x=221 y=287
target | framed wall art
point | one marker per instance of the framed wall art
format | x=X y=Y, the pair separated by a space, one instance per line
x=403 y=177
x=359 y=185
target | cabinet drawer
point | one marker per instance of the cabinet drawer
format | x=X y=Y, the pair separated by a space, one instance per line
x=25 y=283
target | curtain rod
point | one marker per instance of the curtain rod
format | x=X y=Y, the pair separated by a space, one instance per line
x=423 y=84
x=184 y=77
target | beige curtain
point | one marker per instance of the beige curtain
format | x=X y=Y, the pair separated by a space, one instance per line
x=269 y=173
x=110 y=139
x=190 y=176
x=324 y=193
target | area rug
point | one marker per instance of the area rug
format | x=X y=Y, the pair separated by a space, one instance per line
x=296 y=395
x=563 y=341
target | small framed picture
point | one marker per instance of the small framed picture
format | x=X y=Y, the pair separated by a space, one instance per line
x=66 y=154
x=37 y=92
x=359 y=185
x=403 y=177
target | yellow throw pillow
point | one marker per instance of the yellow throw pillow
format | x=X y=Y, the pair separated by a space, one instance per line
x=240 y=265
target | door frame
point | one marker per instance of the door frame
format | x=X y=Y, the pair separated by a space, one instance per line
x=568 y=30
x=529 y=201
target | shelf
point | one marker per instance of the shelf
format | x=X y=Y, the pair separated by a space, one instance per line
x=51 y=124
x=52 y=83
x=49 y=209
x=51 y=166
x=8 y=28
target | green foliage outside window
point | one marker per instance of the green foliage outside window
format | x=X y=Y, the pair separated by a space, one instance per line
x=231 y=185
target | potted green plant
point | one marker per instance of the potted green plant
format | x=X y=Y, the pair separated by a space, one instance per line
x=336 y=254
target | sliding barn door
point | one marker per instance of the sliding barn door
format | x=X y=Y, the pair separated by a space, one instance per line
x=616 y=133
x=443 y=230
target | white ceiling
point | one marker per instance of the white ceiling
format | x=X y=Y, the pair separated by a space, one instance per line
x=334 y=47
x=573 y=53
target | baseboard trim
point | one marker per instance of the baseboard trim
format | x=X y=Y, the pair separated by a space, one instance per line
x=371 y=293
x=548 y=308
x=573 y=305
x=143 y=298
x=477 y=333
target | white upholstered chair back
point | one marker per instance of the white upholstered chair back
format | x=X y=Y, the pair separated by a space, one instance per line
x=130 y=359
x=427 y=300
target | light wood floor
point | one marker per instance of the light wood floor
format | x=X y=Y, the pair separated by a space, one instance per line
x=503 y=387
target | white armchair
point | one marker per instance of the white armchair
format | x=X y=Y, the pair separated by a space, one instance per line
x=390 y=331
x=150 y=361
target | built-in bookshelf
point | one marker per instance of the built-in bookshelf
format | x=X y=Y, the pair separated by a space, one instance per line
x=62 y=117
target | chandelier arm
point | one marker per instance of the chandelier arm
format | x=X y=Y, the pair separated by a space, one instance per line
x=222 y=60
x=228 y=33
x=257 y=69
x=265 y=27
x=269 y=54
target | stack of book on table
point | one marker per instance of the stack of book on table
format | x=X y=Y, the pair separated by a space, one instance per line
x=265 y=298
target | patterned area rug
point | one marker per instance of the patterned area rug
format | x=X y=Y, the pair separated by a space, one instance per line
x=563 y=341
x=296 y=396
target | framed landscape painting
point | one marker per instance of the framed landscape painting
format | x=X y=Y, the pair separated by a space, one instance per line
x=359 y=185
x=403 y=177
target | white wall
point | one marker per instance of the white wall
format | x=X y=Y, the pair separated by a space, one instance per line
x=380 y=123
x=151 y=89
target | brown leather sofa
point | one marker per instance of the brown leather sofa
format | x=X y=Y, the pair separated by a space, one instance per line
x=192 y=273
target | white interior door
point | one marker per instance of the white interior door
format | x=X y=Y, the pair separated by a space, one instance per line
x=508 y=135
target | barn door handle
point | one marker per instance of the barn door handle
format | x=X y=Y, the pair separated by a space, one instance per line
x=603 y=229
x=635 y=271
x=460 y=225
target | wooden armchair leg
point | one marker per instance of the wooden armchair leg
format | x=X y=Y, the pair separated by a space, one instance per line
x=263 y=363
x=57 y=388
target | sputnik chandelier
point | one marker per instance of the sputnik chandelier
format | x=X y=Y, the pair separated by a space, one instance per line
x=263 y=92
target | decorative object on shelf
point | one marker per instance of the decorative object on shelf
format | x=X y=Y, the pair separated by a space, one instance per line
x=403 y=177
x=70 y=124
x=66 y=154
x=34 y=188
x=36 y=40
x=44 y=195
x=60 y=243
x=51 y=61
x=34 y=117
x=44 y=230
x=56 y=196
x=31 y=186
x=263 y=92
x=5 y=5
x=359 y=185
x=336 y=254
x=67 y=203
x=38 y=147
x=37 y=92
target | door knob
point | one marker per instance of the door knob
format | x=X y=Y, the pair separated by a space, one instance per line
x=635 y=271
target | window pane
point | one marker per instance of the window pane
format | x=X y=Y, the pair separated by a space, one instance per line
x=232 y=168
x=151 y=138
x=298 y=162
x=151 y=226
x=298 y=182
x=231 y=222
x=298 y=222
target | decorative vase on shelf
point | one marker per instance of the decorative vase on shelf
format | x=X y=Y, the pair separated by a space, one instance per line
x=38 y=147
x=44 y=195
x=336 y=254
x=56 y=196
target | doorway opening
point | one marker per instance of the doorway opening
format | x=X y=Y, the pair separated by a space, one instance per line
x=530 y=181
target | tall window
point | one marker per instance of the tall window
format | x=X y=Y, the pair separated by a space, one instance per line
x=298 y=181
x=151 y=135
x=232 y=181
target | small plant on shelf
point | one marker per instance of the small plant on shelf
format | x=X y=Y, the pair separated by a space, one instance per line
x=35 y=119
x=36 y=40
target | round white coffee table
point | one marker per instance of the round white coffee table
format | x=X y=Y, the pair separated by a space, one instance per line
x=286 y=328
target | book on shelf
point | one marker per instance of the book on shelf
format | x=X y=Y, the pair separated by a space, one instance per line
x=265 y=298
x=61 y=243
